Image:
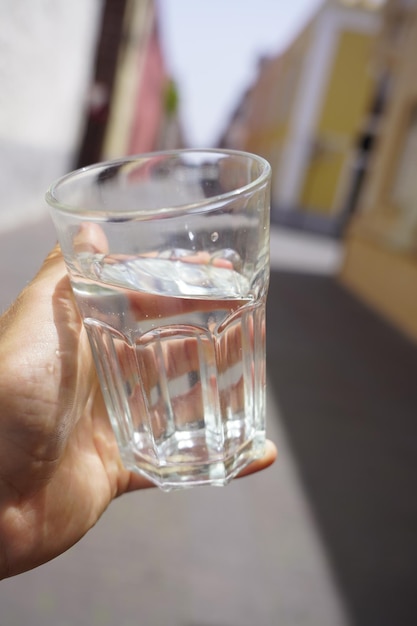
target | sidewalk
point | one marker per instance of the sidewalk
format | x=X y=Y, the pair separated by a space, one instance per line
x=22 y=251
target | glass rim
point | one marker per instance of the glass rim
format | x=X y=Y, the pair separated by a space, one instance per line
x=203 y=205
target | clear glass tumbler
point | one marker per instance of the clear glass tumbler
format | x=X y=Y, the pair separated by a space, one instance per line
x=168 y=256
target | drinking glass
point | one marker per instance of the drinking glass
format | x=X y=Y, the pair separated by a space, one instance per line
x=168 y=257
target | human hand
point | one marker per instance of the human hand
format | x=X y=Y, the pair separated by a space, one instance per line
x=59 y=463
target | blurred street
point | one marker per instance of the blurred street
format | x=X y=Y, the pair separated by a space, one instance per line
x=326 y=537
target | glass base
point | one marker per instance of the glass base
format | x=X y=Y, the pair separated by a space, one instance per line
x=192 y=473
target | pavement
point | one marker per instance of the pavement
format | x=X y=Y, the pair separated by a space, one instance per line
x=22 y=250
x=261 y=551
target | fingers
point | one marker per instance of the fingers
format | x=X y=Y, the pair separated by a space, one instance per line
x=90 y=238
x=260 y=464
x=148 y=305
x=137 y=482
x=181 y=353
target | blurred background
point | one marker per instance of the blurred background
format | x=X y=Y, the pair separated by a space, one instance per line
x=327 y=92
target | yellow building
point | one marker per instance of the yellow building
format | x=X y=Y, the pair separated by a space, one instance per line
x=381 y=244
x=306 y=110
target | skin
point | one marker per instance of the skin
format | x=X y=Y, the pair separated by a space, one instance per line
x=59 y=463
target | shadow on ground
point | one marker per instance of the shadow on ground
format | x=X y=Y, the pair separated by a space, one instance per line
x=346 y=385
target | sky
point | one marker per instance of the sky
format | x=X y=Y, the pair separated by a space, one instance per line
x=212 y=48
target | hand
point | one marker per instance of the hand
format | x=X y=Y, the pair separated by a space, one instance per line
x=59 y=463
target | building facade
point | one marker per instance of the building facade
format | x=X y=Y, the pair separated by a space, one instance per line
x=141 y=116
x=131 y=97
x=381 y=243
x=47 y=58
x=306 y=110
